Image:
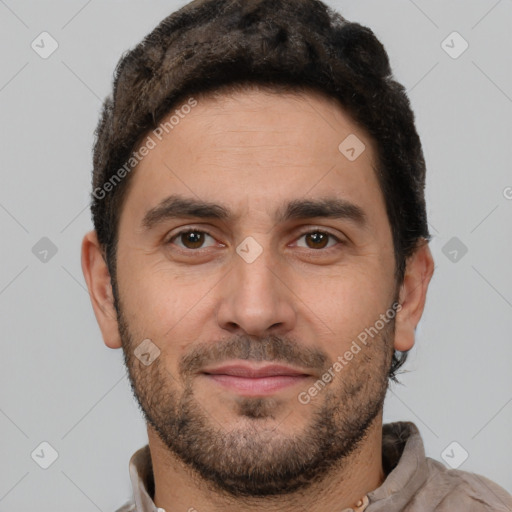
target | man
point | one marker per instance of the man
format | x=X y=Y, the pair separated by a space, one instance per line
x=261 y=255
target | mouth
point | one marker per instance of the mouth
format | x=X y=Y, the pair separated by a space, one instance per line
x=250 y=380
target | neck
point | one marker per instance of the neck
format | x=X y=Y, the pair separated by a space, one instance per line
x=179 y=488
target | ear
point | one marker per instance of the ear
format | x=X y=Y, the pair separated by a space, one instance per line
x=413 y=291
x=99 y=284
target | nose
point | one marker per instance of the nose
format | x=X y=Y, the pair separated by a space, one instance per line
x=256 y=300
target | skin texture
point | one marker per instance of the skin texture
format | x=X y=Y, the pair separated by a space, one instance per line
x=301 y=302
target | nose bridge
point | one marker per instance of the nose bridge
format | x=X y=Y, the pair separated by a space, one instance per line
x=256 y=276
x=257 y=300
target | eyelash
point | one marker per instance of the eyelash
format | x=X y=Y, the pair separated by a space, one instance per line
x=192 y=230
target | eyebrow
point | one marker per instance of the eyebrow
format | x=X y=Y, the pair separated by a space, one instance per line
x=176 y=206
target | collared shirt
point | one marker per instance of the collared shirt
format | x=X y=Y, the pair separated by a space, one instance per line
x=414 y=482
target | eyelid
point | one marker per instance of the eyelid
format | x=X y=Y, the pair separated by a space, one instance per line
x=320 y=229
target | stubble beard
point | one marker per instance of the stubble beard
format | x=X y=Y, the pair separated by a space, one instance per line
x=257 y=457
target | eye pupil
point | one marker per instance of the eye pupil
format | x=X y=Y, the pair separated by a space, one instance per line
x=194 y=238
x=318 y=238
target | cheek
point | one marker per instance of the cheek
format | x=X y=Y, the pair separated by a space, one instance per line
x=344 y=303
x=169 y=306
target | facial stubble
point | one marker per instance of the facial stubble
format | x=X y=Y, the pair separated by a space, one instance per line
x=258 y=457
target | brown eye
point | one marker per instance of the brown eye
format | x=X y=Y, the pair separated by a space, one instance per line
x=190 y=239
x=317 y=239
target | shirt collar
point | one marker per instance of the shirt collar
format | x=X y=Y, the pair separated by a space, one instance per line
x=403 y=458
x=403 y=455
x=143 y=483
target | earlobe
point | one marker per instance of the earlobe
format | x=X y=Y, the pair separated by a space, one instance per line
x=99 y=284
x=413 y=292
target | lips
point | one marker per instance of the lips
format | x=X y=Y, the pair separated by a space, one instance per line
x=255 y=381
x=250 y=372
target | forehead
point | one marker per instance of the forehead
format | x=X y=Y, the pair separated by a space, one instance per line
x=254 y=150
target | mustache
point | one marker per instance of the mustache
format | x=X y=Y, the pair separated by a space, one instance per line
x=270 y=348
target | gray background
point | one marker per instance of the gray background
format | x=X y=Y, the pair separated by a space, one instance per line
x=60 y=384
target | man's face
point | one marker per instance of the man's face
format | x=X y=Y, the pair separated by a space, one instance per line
x=252 y=307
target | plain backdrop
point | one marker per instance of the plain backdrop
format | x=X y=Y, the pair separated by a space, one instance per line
x=61 y=385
